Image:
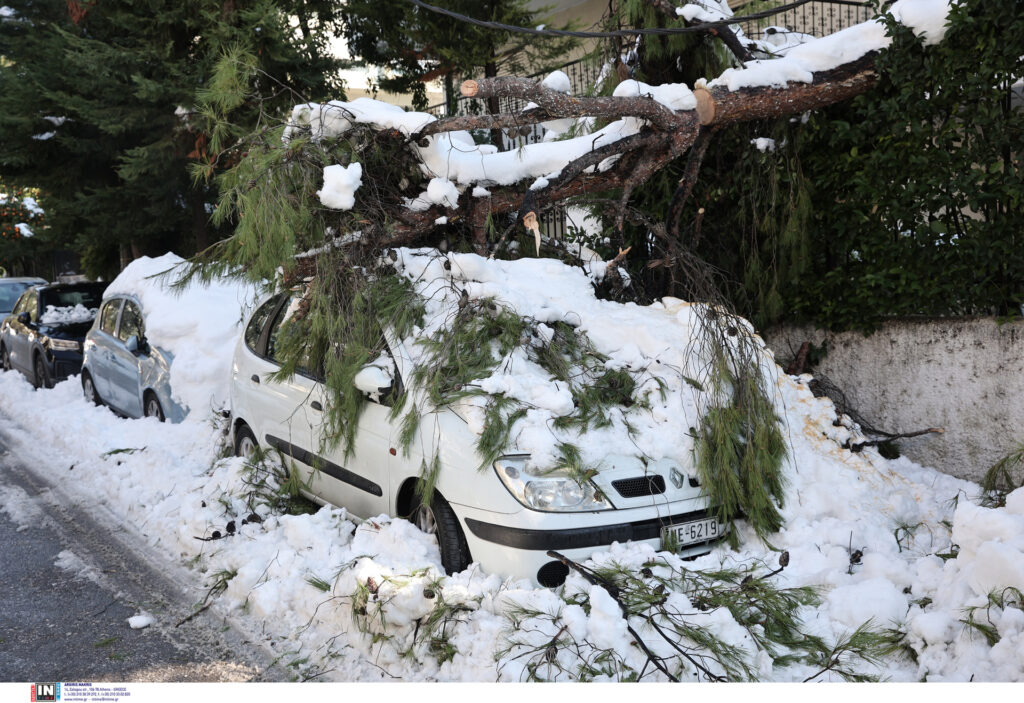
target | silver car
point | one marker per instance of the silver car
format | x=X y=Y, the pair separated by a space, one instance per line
x=124 y=371
x=12 y=288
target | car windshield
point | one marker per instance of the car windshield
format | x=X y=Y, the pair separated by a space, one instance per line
x=9 y=293
x=70 y=297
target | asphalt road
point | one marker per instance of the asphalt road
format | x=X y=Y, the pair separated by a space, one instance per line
x=59 y=624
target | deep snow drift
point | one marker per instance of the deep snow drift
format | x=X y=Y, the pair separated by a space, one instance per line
x=197 y=323
x=348 y=601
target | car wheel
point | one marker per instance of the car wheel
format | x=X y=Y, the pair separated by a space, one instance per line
x=245 y=442
x=151 y=407
x=5 y=358
x=89 y=389
x=40 y=378
x=437 y=518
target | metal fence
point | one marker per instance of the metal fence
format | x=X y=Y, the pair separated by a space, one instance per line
x=583 y=79
x=815 y=18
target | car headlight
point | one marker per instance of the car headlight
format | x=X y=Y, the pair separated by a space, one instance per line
x=553 y=491
x=64 y=345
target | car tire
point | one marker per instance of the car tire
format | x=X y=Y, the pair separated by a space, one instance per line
x=89 y=390
x=151 y=406
x=5 y=357
x=40 y=377
x=437 y=518
x=245 y=442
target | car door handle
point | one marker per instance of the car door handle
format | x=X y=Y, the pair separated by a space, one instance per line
x=255 y=378
x=316 y=405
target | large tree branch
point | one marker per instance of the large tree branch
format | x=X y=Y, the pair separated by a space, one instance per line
x=720 y=106
x=562 y=105
x=630 y=161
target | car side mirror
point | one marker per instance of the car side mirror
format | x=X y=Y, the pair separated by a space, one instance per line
x=374 y=381
x=24 y=318
x=137 y=345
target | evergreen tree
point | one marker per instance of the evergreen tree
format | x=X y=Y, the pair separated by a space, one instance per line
x=95 y=108
x=22 y=233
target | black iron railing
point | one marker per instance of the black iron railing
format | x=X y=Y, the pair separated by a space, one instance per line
x=816 y=18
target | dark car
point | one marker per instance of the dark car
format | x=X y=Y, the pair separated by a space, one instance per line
x=43 y=336
x=11 y=289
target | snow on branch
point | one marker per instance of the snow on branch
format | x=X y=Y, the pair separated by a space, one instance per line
x=648 y=126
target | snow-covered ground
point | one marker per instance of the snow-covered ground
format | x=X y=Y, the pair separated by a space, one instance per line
x=890 y=543
x=346 y=602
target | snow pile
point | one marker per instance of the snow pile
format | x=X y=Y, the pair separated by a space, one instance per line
x=340 y=186
x=876 y=535
x=19 y=507
x=67 y=315
x=198 y=324
x=30 y=204
x=654 y=343
x=925 y=17
x=440 y=191
x=983 y=582
x=140 y=620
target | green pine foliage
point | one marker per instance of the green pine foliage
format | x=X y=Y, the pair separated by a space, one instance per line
x=113 y=85
x=677 y=611
x=739 y=448
x=846 y=222
x=1004 y=477
x=21 y=253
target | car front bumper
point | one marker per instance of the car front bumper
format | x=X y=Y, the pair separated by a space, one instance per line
x=522 y=552
x=64 y=364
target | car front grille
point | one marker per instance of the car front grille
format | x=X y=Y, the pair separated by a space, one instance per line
x=640 y=486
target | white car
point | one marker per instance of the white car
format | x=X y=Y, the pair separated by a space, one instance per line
x=503 y=518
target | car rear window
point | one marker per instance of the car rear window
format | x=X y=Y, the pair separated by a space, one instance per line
x=70 y=297
x=9 y=293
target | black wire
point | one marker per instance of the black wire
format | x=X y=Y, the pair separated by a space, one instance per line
x=703 y=27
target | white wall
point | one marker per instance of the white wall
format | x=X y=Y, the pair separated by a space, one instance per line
x=963 y=374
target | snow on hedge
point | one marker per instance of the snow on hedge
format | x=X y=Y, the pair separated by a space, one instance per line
x=902 y=519
x=198 y=324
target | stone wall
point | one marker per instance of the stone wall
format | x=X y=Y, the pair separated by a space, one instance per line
x=962 y=374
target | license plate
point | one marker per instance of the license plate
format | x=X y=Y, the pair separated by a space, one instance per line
x=675 y=536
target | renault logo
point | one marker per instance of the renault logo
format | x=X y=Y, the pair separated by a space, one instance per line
x=676 y=477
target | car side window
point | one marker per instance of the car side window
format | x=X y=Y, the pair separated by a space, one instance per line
x=131 y=322
x=108 y=318
x=21 y=306
x=257 y=323
x=275 y=331
x=31 y=301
